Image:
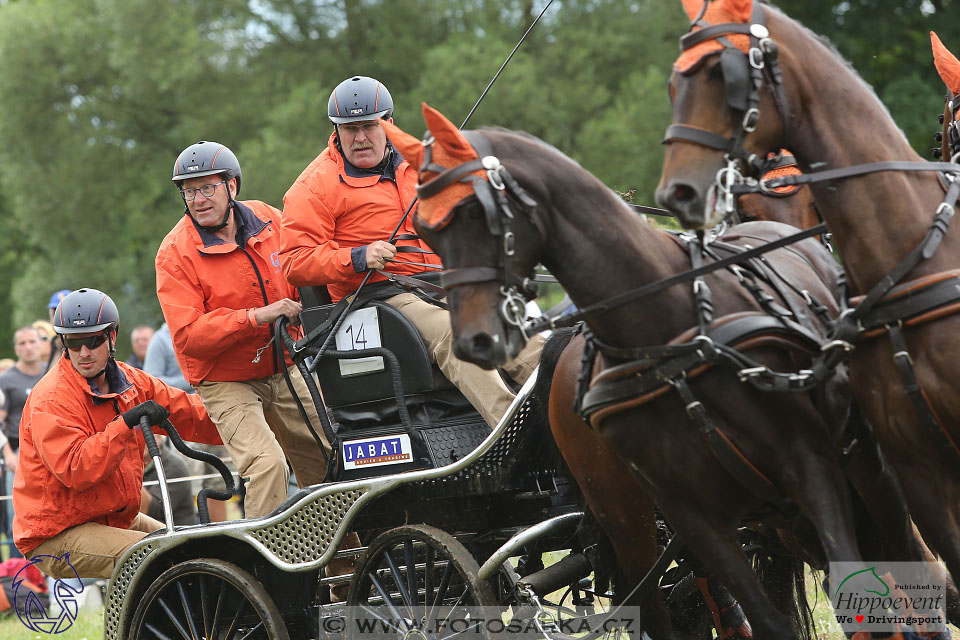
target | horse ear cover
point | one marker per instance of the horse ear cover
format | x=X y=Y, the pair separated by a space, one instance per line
x=736 y=78
x=409 y=147
x=731 y=10
x=947 y=64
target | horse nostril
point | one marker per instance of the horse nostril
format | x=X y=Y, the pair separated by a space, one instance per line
x=682 y=193
x=481 y=344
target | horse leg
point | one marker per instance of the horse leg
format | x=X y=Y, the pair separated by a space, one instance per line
x=715 y=541
x=623 y=509
x=883 y=498
x=938 y=525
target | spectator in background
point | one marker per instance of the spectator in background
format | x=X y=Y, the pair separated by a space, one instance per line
x=55 y=350
x=161 y=362
x=45 y=329
x=16 y=384
x=55 y=300
x=139 y=340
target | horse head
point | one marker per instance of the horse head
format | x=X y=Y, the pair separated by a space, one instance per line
x=475 y=215
x=949 y=69
x=718 y=137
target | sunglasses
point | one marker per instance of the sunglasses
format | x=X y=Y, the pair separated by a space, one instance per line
x=92 y=342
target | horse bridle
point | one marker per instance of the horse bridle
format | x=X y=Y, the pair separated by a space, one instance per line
x=494 y=193
x=952 y=128
x=743 y=75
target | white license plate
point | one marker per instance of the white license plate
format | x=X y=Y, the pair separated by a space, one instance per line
x=377 y=452
x=360 y=330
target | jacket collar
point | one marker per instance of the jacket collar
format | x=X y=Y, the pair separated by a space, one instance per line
x=357 y=177
x=248 y=226
x=117 y=381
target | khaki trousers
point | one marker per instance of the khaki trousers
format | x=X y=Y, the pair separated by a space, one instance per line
x=484 y=389
x=260 y=425
x=94 y=548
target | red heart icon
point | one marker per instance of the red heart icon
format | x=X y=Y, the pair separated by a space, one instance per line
x=859 y=618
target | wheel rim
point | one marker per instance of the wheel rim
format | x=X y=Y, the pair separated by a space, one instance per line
x=423 y=603
x=207 y=599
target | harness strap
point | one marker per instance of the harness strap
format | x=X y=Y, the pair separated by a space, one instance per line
x=925 y=412
x=762 y=186
x=694 y=38
x=660 y=285
x=729 y=455
x=452 y=278
x=448 y=176
x=688 y=133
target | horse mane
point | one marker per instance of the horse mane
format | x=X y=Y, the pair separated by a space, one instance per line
x=587 y=175
x=828 y=44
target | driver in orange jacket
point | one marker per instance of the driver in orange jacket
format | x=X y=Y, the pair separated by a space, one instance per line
x=77 y=488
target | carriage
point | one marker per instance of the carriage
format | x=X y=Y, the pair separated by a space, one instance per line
x=440 y=499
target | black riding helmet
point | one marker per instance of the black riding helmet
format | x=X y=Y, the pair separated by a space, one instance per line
x=359 y=98
x=206 y=159
x=86 y=311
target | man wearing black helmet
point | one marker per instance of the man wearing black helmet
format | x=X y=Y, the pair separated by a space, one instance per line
x=339 y=214
x=78 y=484
x=221 y=289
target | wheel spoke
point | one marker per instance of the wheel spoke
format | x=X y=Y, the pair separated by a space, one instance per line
x=411 y=561
x=250 y=633
x=204 y=617
x=385 y=595
x=236 y=619
x=187 y=611
x=428 y=570
x=173 y=618
x=218 y=611
x=398 y=579
x=387 y=621
x=159 y=634
x=444 y=585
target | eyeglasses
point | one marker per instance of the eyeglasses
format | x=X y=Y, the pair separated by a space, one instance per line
x=91 y=342
x=207 y=190
x=366 y=127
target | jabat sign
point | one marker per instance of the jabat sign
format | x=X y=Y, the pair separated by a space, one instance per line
x=374 y=452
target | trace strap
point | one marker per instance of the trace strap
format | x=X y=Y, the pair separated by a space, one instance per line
x=655 y=287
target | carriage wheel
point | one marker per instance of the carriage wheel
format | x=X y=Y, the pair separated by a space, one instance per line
x=437 y=599
x=207 y=598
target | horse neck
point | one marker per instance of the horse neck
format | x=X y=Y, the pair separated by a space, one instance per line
x=838 y=121
x=597 y=248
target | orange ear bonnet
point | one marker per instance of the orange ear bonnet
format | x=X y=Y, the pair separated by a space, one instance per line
x=715 y=12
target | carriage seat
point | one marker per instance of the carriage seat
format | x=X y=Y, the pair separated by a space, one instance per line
x=363 y=403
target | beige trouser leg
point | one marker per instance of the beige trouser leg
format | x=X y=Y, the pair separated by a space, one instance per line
x=93 y=548
x=484 y=389
x=259 y=423
x=526 y=361
x=297 y=442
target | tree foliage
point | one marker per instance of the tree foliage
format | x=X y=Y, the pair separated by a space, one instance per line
x=99 y=96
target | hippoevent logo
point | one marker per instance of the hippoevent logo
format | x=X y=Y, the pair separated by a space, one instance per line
x=888 y=597
x=32 y=611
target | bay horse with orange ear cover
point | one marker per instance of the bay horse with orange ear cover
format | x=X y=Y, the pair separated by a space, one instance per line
x=710 y=449
x=751 y=80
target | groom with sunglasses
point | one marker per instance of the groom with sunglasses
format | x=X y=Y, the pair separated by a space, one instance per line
x=78 y=485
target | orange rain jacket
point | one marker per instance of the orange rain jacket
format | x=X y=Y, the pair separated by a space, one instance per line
x=79 y=462
x=326 y=213
x=208 y=290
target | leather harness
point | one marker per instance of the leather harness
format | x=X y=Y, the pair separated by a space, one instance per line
x=886 y=308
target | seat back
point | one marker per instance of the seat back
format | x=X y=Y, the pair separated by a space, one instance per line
x=360 y=393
